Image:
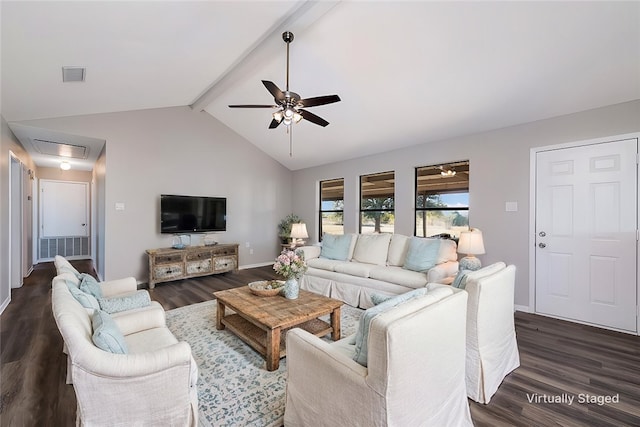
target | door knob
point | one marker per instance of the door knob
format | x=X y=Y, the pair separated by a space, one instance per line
x=542 y=245
x=542 y=234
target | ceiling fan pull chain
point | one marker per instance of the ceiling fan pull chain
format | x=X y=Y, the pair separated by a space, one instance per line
x=290 y=131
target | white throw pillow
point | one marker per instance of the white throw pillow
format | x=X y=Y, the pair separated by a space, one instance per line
x=398 y=250
x=372 y=248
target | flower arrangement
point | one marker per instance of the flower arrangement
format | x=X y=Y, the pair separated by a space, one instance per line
x=290 y=264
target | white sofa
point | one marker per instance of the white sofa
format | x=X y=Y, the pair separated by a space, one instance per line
x=153 y=384
x=374 y=264
x=415 y=373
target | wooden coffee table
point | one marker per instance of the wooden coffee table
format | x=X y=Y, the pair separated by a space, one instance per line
x=262 y=322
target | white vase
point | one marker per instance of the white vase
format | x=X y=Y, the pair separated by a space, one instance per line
x=291 y=288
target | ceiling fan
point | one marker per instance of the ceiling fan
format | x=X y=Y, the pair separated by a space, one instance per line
x=289 y=104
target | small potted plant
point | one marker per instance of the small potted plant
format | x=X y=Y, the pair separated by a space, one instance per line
x=284 y=227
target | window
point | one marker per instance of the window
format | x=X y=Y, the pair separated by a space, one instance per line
x=442 y=199
x=376 y=203
x=332 y=206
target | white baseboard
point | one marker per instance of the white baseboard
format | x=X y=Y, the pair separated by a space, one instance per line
x=523 y=308
x=262 y=264
x=5 y=304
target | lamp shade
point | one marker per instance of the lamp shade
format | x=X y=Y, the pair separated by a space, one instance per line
x=299 y=231
x=470 y=242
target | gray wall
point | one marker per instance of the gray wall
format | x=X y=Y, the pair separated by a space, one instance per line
x=499 y=173
x=178 y=151
x=8 y=143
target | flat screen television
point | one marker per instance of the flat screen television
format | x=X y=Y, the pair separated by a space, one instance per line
x=192 y=214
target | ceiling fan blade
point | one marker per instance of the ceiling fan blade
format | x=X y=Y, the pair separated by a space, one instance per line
x=253 y=106
x=313 y=118
x=278 y=95
x=319 y=100
x=274 y=124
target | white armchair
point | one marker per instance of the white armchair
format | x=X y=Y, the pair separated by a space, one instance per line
x=492 y=350
x=414 y=375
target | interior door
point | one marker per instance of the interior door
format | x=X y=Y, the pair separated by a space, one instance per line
x=586 y=210
x=64 y=208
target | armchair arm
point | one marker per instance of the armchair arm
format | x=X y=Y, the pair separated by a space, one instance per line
x=140 y=319
x=326 y=387
x=113 y=288
x=310 y=252
x=441 y=272
x=151 y=388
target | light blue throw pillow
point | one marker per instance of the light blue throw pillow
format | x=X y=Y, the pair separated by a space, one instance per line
x=460 y=281
x=85 y=299
x=362 y=335
x=422 y=254
x=379 y=298
x=335 y=246
x=106 y=335
x=90 y=285
x=129 y=302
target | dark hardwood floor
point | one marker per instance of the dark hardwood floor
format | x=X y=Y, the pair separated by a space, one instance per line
x=559 y=360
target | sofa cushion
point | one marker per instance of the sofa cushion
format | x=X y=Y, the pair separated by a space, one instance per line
x=447 y=251
x=422 y=254
x=150 y=340
x=372 y=248
x=354 y=269
x=398 y=249
x=362 y=335
x=399 y=276
x=106 y=335
x=324 y=263
x=138 y=299
x=335 y=246
x=85 y=299
x=90 y=285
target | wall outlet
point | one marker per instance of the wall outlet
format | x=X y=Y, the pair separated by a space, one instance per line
x=251 y=251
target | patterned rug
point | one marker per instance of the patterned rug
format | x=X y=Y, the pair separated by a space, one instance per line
x=234 y=388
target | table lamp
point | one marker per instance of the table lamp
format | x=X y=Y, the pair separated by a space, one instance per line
x=298 y=231
x=470 y=244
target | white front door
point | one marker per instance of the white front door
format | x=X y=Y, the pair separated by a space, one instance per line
x=586 y=210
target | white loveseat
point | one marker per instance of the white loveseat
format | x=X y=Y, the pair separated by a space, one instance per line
x=153 y=384
x=375 y=264
x=415 y=374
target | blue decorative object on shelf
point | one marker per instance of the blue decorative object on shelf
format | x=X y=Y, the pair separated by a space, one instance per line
x=178 y=241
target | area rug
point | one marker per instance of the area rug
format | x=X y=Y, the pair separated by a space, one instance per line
x=234 y=388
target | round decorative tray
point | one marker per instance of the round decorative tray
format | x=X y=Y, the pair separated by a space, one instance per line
x=266 y=288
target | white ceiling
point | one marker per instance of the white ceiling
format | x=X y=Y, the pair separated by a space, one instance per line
x=407 y=72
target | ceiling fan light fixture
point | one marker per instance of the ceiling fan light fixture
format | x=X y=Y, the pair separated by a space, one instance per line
x=448 y=173
x=289 y=112
x=297 y=117
x=278 y=116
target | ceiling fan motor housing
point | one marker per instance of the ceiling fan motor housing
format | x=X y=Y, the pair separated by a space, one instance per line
x=287 y=36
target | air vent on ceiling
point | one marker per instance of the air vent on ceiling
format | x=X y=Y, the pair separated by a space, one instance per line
x=73 y=74
x=60 y=149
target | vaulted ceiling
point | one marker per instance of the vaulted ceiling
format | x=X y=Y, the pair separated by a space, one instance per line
x=407 y=72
